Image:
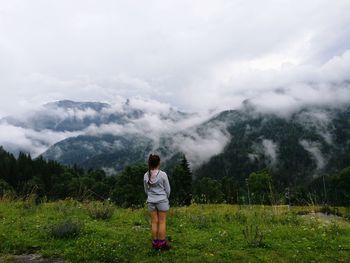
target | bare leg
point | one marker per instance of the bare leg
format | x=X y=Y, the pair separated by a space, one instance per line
x=154 y=220
x=162 y=224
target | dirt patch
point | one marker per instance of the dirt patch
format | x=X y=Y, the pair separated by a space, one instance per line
x=29 y=258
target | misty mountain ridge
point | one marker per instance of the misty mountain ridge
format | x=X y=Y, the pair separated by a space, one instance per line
x=68 y=115
x=55 y=121
x=303 y=144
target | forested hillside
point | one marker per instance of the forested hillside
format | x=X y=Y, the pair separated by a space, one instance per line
x=24 y=176
x=312 y=142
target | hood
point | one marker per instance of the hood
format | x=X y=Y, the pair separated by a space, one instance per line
x=155 y=175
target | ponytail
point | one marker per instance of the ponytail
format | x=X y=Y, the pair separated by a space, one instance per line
x=153 y=162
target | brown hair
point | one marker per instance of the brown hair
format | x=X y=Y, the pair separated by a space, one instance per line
x=153 y=162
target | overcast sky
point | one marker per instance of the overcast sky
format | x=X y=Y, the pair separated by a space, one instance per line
x=195 y=55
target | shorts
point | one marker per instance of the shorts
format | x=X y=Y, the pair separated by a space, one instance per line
x=159 y=206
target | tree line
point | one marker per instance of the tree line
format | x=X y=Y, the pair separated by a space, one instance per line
x=23 y=176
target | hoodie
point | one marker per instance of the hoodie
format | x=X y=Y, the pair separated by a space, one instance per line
x=159 y=187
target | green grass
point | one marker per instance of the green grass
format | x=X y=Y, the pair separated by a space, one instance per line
x=199 y=233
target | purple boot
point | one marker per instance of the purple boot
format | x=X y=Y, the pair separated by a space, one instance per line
x=155 y=243
x=163 y=244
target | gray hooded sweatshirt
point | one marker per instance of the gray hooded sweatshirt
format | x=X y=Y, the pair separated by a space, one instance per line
x=159 y=188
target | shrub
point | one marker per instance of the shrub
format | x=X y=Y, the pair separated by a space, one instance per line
x=66 y=228
x=253 y=235
x=100 y=210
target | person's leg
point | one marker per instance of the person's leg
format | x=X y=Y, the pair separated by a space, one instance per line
x=162 y=224
x=154 y=222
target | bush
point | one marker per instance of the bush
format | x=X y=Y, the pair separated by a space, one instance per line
x=253 y=235
x=66 y=228
x=100 y=210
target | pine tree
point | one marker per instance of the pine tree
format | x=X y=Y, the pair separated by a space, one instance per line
x=181 y=183
x=187 y=181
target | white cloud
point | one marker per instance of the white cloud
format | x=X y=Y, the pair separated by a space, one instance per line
x=319 y=121
x=27 y=140
x=151 y=124
x=195 y=55
x=282 y=89
x=200 y=147
x=314 y=149
x=270 y=149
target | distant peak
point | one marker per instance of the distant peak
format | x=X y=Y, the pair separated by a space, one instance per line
x=76 y=104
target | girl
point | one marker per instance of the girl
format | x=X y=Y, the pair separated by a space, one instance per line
x=157 y=188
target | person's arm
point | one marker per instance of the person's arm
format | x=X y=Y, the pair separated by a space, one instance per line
x=145 y=185
x=166 y=185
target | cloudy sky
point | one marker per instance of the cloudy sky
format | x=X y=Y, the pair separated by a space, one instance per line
x=195 y=55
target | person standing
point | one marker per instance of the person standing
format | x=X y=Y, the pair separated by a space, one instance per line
x=157 y=188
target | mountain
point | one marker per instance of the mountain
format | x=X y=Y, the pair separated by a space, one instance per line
x=306 y=144
x=296 y=147
x=52 y=122
x=95 y=134
x=106 y=151
x=67 y=115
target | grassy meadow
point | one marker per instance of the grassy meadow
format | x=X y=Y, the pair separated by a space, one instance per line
x=95 y=232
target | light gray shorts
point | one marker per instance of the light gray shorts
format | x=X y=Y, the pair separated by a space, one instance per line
x=160 y=206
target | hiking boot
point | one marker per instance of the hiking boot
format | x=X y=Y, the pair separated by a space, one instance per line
x=155 y=243
x=163 y=245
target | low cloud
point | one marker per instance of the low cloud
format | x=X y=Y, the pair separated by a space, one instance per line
x=200 y=147
x=314 y=149
x=268 y=148
x=320 y=121
x=15 y=139
x=154 y=120
x=282 y=89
